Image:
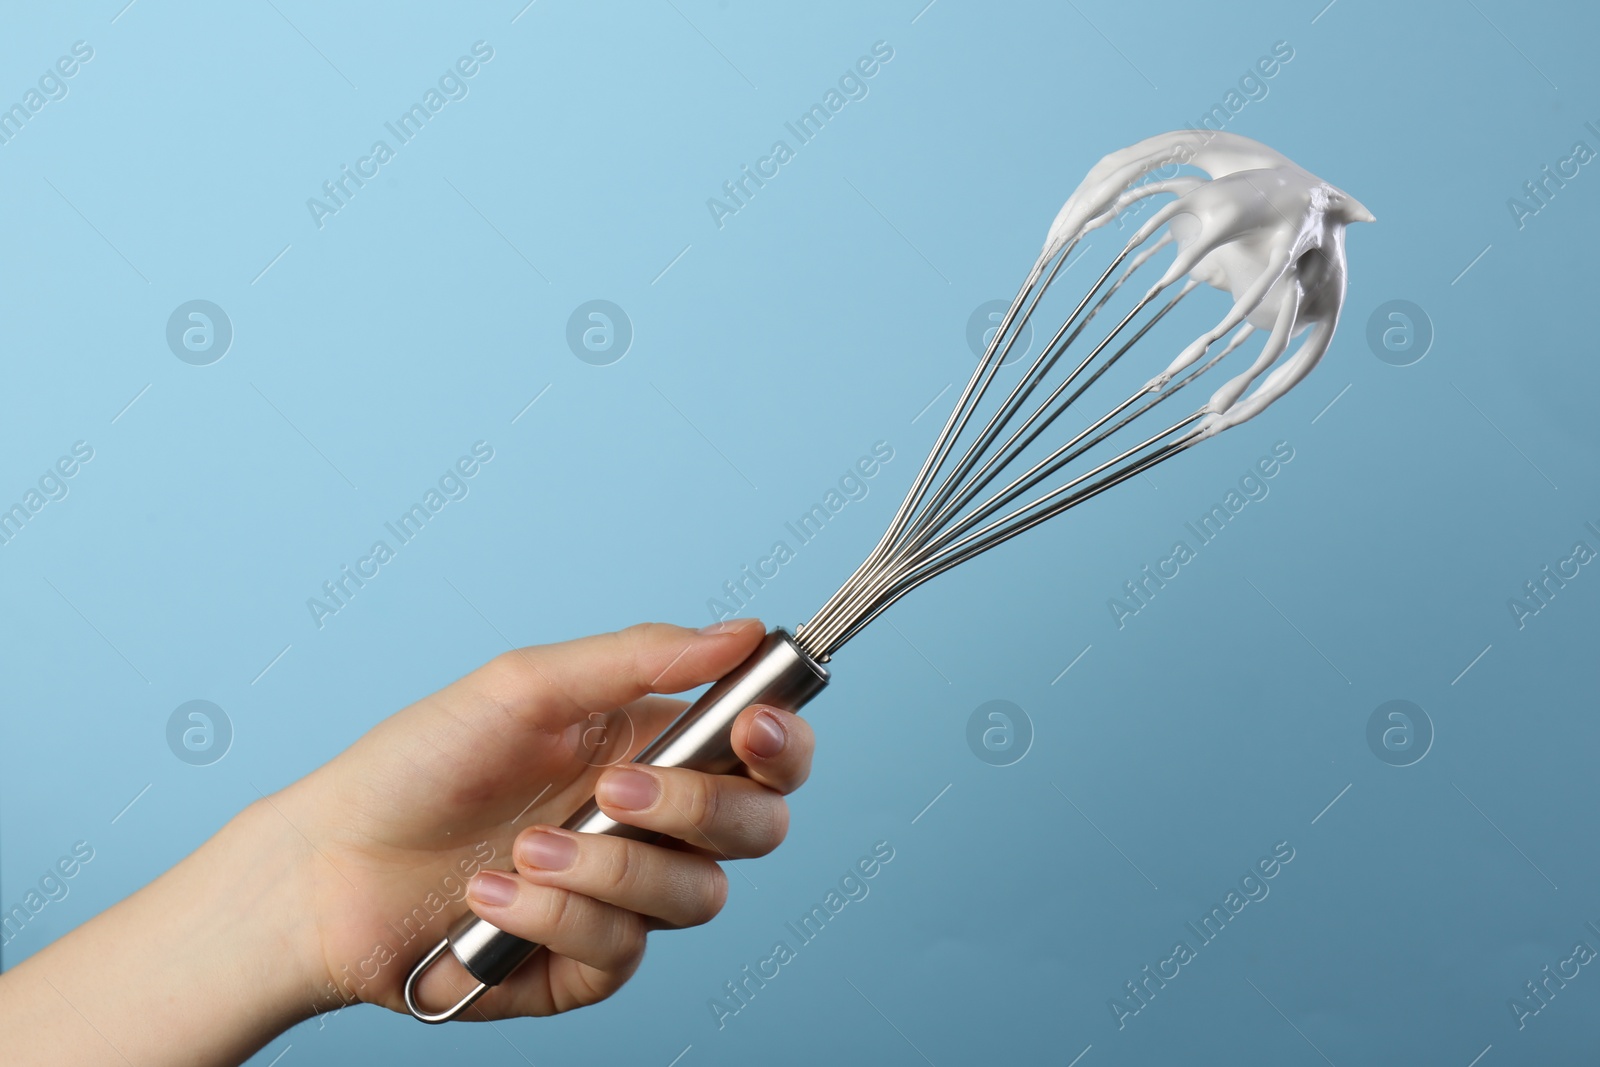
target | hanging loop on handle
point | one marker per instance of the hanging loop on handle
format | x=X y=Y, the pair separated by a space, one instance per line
x=411 y=989
x=778 y=673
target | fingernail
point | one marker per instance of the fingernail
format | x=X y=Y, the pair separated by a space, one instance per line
x=548 y=852
x=767 y=735
x=493 y=888
x=727 y=626
x=628 y=789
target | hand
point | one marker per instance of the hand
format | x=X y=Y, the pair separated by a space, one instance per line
x=331 y=890
x=477 y=776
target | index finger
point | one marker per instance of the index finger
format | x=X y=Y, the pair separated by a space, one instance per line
x=607 y=671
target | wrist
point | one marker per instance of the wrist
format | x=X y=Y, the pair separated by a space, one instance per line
x=256 y=877
x=215 y=952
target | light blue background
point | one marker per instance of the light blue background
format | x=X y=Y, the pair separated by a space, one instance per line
x=823 y=317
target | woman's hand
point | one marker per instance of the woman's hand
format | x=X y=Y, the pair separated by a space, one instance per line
x=330 y=890
x=474 y=780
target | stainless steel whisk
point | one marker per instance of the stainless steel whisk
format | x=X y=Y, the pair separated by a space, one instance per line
x=1256 y=225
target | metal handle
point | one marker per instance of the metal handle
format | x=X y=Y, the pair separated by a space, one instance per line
x=778 y=673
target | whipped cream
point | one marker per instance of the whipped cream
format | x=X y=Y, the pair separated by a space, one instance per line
x=1258 y=227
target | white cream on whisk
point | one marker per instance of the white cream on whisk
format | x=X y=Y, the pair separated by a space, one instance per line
x=1261 y=228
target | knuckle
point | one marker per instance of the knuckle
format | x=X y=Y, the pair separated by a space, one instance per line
x=641 y=636
x=634 y=646
x=554 y=911
x=775 y=830
x=500 y=668
x=712 y=897
x=702 y=803
x=509 y=680
x=641 y=633
x=622 y=868
x=626 y=943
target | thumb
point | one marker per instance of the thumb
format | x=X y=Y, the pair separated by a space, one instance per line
x=606 y=671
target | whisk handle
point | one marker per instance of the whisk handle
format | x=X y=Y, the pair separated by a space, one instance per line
x=778 y=673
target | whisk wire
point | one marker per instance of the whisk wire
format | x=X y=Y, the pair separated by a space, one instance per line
x=916 y=546
x=952 y=510
x=952 y=428
x=853 y=592
x=1028 y=432
x=916 y=563
x=837 y=635
x=1049 y=354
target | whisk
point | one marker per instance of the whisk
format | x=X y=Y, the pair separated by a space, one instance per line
x=1252 y=224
